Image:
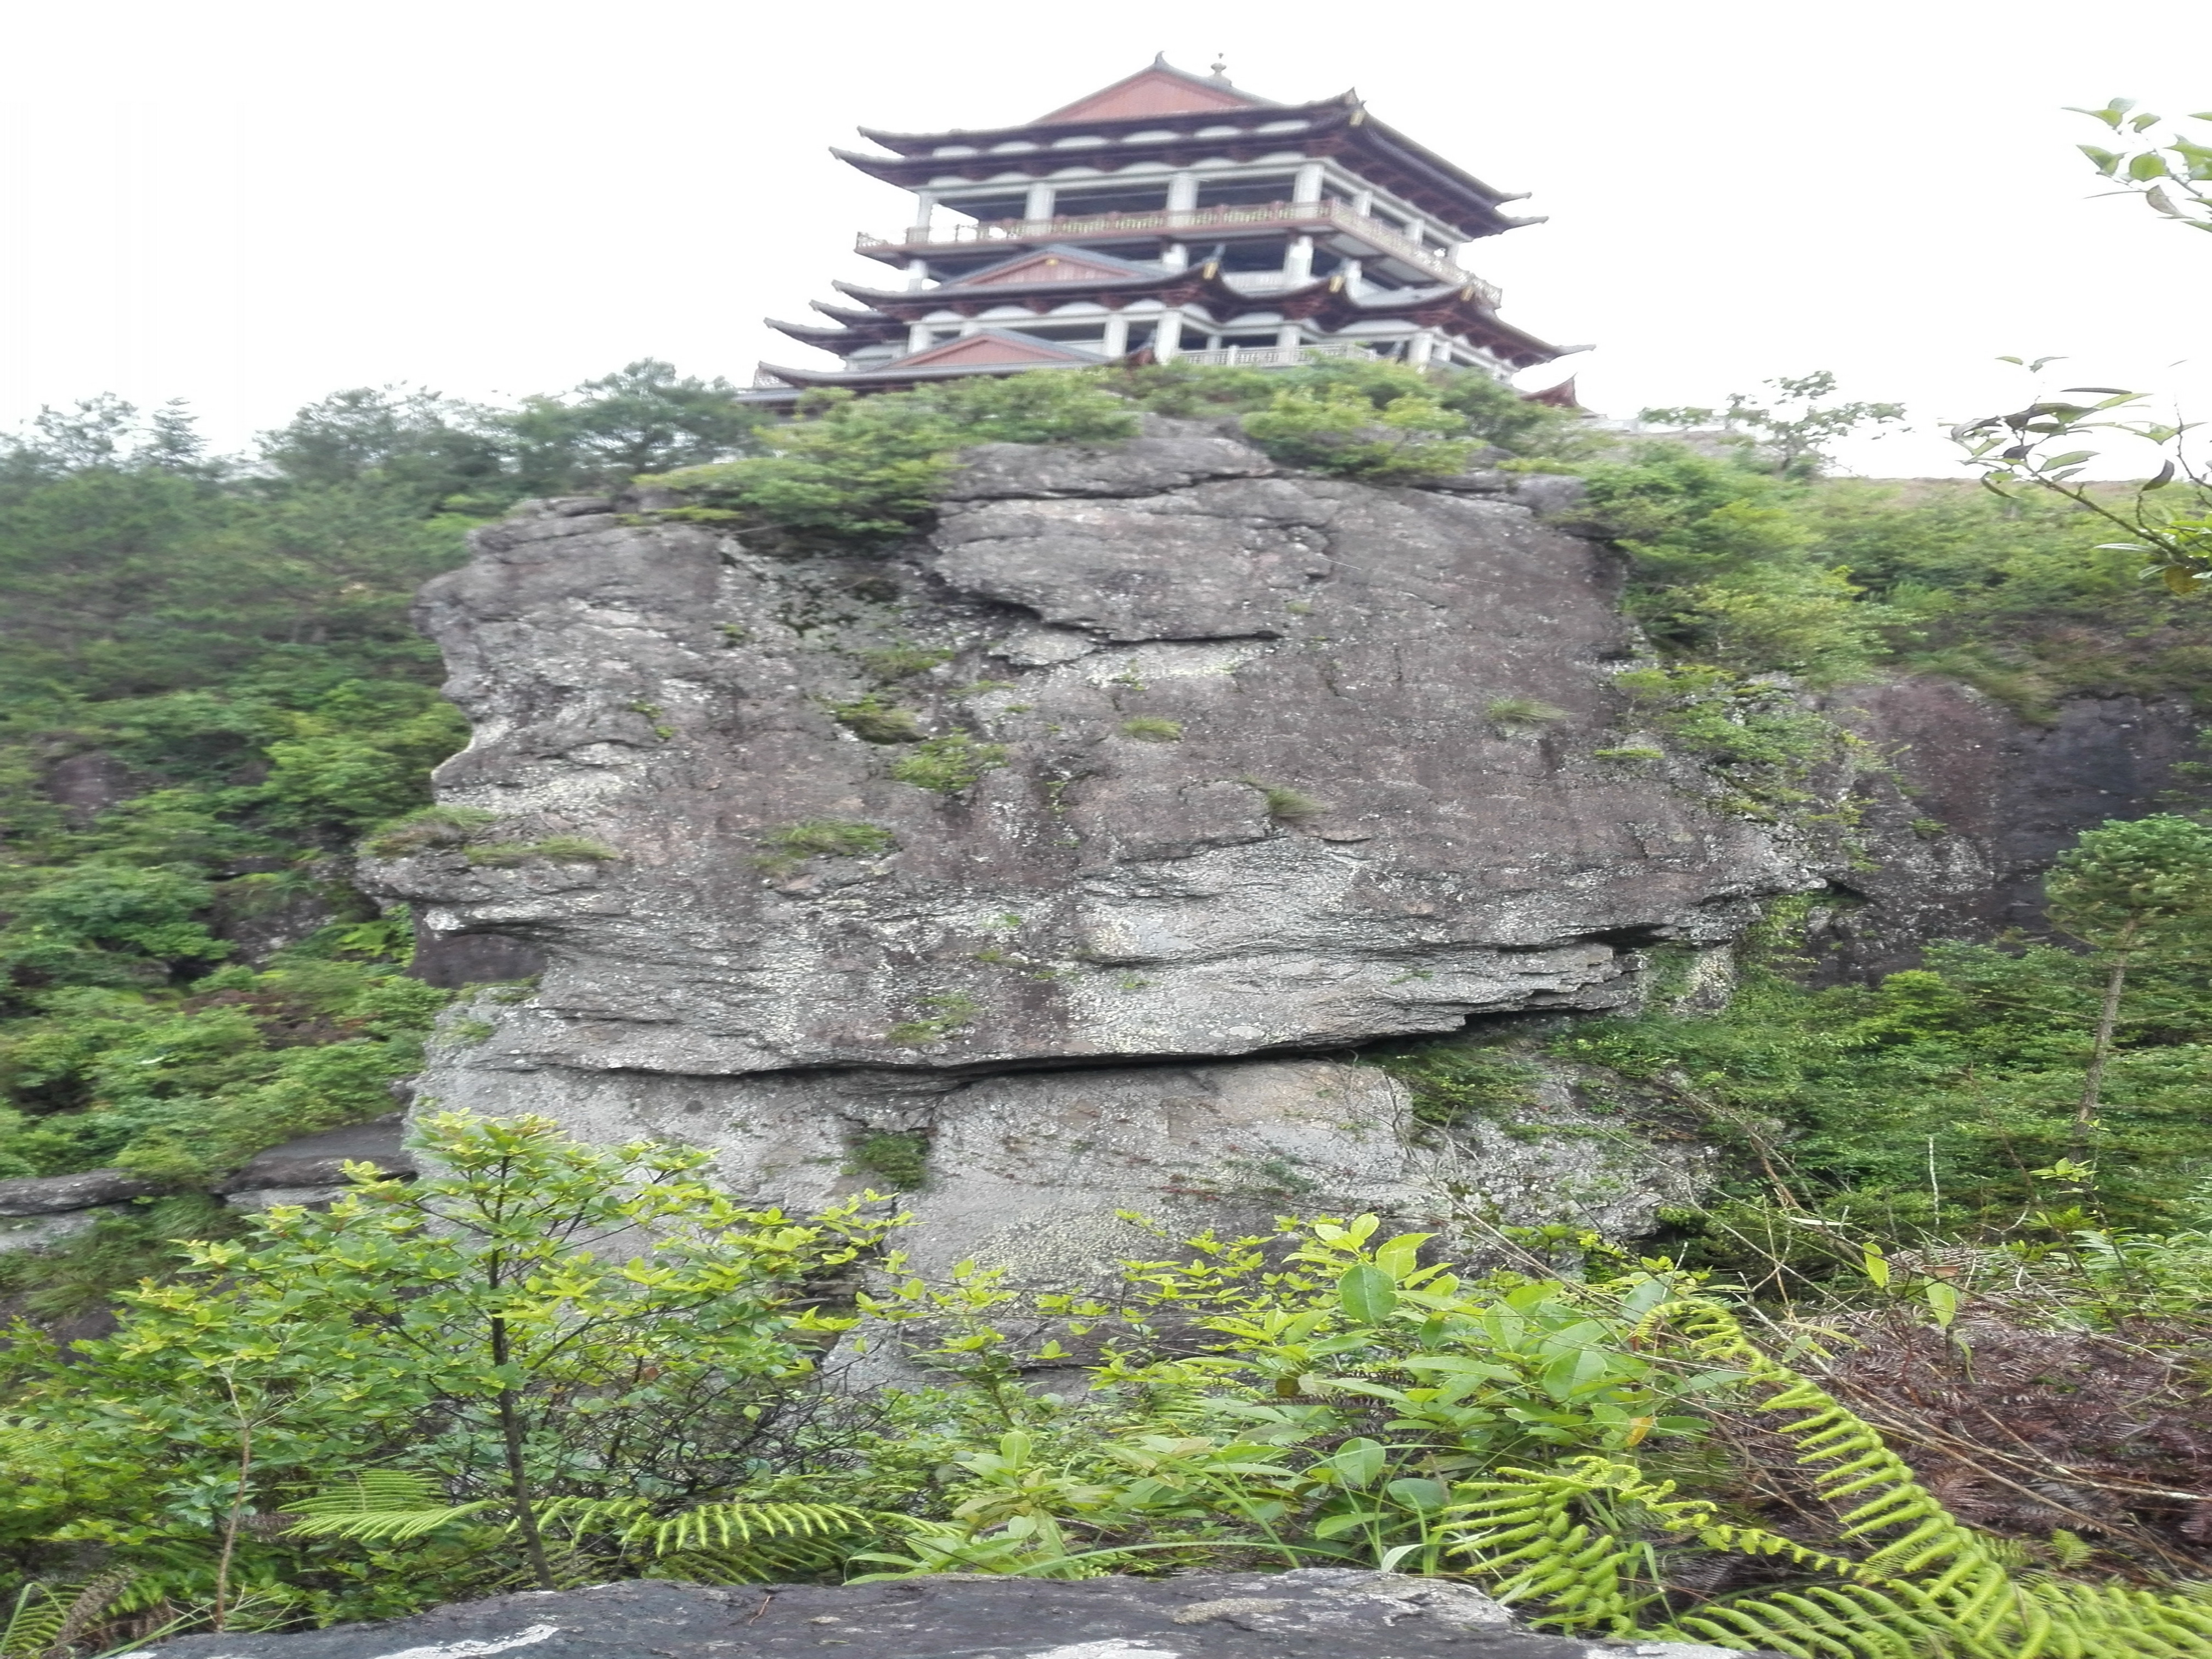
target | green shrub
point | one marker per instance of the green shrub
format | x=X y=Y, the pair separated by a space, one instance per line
x=426 y=827
x=1455 y=1083
x=1338 y=430
x=873 y=721
x=1151 y=728
x=1753 y=737
x=793 y=844
x=1519 y=716
x=898 y=1158
x=185 y=1089
x=871 y=468
x=1286 y=805
x=948 y=764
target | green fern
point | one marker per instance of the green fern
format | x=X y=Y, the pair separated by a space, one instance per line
x=379 y=1506
x=48 y=1619
x=1926 y=1583
x=733 y=1543
x=631 y=1522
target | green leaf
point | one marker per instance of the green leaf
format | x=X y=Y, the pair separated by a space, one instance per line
x=1358 y=1462
x=1367 y=1294
x=1337 y=1525
x=1419 y=1492
x=1942 y=1302
x=2147 y=166
x=1875 y=1265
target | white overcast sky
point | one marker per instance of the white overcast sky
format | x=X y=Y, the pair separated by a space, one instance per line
x=248 y=205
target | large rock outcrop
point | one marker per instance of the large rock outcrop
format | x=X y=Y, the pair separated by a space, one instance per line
x=1072 y=844
x=1264 y=767
x=1254 y=794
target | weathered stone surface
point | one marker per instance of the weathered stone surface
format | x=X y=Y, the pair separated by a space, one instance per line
x=43 y=1232
x=450 y=961
x=1035 y=1171
x=318 y=1160
x=1981 y=803
x=57 y=1195
x=1315 y=1614
x=662 y=689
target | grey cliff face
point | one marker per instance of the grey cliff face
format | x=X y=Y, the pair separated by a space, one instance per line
x=1251 y=797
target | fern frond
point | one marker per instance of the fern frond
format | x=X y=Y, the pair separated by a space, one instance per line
x=378 y=1506
x=1926 y=1583
x=35 y=1618
x=48 y=1619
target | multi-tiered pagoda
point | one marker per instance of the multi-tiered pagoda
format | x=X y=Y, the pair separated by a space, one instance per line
x=1168 y=217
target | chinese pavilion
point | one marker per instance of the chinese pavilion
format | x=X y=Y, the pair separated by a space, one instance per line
x=1169 y=215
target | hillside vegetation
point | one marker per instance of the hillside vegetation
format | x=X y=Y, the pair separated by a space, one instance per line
x=1924 y=1378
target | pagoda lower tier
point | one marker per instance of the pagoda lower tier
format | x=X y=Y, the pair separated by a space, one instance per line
x=1069 y=307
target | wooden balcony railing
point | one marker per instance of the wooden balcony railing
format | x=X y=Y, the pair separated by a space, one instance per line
x=1271 y=356
x=1187 y=223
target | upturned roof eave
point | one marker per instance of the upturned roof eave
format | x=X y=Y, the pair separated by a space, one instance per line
x=1459 y=198
x=919 y=144
x=907 y=303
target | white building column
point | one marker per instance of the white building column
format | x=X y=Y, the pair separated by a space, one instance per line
x=1308 y=187
x=1117 y=335
x=1287 y=336
x=1352 y=279
x=924 y=205
x=1175 y=257
x=917 y=274
x=1419 y=348
x=1167 y=339
x=917 y=337
x=1039 y=205
x=1297 y=261
x=1182 y=191
x=1363 y=203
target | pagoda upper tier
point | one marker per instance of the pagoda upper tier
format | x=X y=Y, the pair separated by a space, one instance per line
x=1169 y=215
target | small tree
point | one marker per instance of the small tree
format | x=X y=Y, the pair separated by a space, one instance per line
x=1795 y=434
x=535 y=1319
x=2130 y=891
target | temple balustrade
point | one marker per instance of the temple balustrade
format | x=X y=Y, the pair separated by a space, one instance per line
x=1286 y=215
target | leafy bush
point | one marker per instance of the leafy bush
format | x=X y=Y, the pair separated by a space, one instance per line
x=181 y=1089
x=871 y=468
x=1338 y=430
x=457 y=1332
